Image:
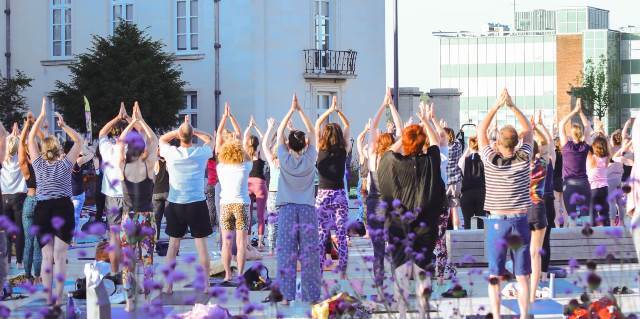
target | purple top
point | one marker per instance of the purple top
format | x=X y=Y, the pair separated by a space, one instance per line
x=574 y=160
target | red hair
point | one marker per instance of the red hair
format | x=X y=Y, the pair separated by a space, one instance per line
x=413 y=139
x=383 y=143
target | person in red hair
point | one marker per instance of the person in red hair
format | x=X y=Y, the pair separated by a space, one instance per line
x=414 y=196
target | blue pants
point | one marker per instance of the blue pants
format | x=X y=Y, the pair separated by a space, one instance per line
x=32 y=252
x=504 y=234
x=78 y=203
x=297 y=240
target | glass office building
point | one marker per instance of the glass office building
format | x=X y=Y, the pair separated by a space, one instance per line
x=539 y=63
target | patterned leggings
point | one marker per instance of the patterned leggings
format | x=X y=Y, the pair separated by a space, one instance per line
x=333 y=213
x=32 y=251
x=138 y=246
x=272 y=220
x=442 y=259
x=298 y=241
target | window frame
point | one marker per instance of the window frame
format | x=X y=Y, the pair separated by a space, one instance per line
x=62 y=6
x=123 y=4
x=189 y=109
x=54 y=129
x=188 y=34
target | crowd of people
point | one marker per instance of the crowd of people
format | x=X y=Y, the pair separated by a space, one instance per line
x=416 y=182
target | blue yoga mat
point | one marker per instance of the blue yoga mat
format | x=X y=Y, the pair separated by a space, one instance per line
x=540 y=307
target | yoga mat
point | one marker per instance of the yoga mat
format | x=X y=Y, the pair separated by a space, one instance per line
x=182 y=298
x=563 y=287
x=540 y=307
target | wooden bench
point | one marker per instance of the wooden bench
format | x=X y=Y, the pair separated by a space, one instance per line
x=466 y=247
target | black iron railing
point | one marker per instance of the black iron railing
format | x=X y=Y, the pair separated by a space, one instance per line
x=321 y=62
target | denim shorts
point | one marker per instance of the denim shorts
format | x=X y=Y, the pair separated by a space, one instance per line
x=503 y=232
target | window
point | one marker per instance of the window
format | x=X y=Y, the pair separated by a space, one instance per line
x=187 y=25
x=61 y=28
x=323 y=102
x=322 y=24
x=54 y=129
x=190 y=107
x=122 y=12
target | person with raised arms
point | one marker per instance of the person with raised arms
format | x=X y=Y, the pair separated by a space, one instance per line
x=187 y=207
x=507 y=200
x=297 y=238
x=54 y=210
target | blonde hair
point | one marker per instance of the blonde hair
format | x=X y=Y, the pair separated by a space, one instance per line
x=231 y=152
x=12 y=145
x=51 y=149
x=473 y=143
x=577 y=132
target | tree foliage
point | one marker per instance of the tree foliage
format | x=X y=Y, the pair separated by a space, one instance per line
x=600 y=85
x=12 y=103
x=128 y=66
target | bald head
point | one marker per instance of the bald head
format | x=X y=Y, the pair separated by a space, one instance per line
x=508 y=137
x=185 y=133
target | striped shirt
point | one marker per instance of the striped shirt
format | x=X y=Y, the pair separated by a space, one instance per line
x=53 y=178
x=507 y=180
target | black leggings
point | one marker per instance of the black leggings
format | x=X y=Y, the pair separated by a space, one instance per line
x=472 y=204
x=599 y=207
x=546 y=243
x=12 y=205
x=576 y=194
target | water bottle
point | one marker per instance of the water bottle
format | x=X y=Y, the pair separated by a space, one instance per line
x=71 y=307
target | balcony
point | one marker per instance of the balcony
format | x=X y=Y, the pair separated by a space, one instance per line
x=329 y=64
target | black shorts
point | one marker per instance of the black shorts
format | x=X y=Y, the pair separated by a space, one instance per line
x=537 y=216
x=48 y=209
x=194 y=215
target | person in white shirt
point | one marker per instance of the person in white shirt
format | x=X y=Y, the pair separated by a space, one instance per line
x=112 y=180
x=233 y=170
x=187 y=206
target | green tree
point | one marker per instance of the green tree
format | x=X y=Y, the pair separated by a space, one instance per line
x=128 y=66
x=600 y=85
x=12 y=103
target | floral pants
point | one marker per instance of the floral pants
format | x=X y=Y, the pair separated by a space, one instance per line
x=333 y=213
x=272 y=220
x=138 y=235
x=298 y=241
x=442 y=259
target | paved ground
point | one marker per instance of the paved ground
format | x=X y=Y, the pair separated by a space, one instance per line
x=359 y=279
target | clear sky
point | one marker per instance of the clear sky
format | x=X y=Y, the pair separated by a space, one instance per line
x=419 y=50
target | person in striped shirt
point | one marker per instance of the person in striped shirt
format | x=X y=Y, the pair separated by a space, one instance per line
x=54 y=211
x=507 y=200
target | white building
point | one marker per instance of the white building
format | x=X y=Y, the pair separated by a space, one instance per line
x=262 y=58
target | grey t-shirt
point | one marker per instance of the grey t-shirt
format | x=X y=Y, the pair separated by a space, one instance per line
x=297 y=173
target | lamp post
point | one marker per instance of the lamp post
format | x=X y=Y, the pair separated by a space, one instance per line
x=216 y=46
x=396 y=86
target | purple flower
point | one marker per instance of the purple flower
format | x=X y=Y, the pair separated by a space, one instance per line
x=396 y=203
x=45 y=239
x=57 y=222
x=576 y=199
x=97 y=229
x=600 y=251
x=4 y=311
x=615 y=232
x=115 y=229
x=573 y=264
x=34 y=230
x=60 y=277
